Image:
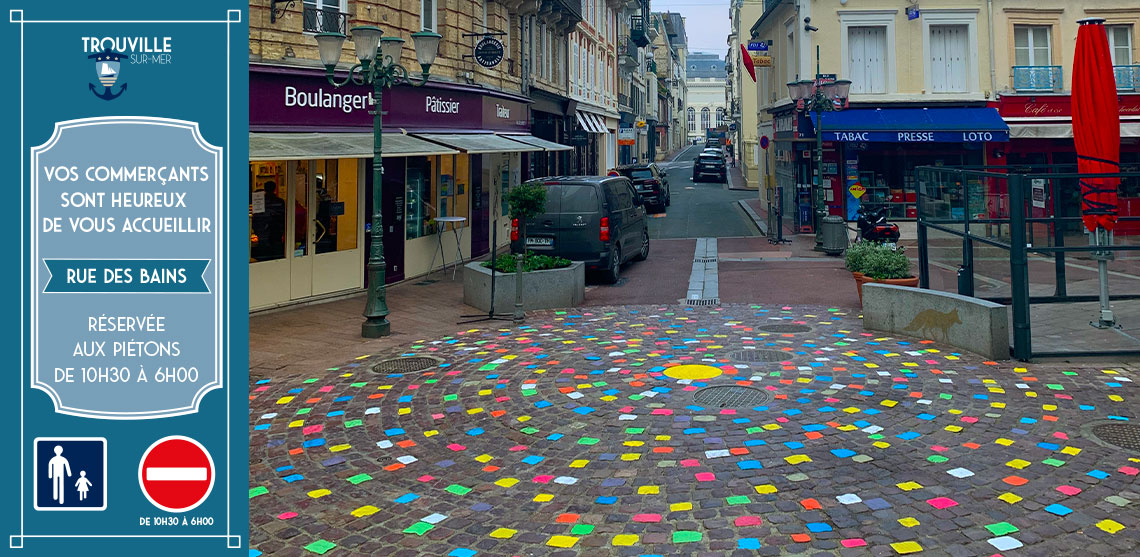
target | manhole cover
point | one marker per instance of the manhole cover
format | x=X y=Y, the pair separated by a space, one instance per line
x=785 y=328
x=756 y=356
x=1124 y=436
x=730 y=396
x=406 y=365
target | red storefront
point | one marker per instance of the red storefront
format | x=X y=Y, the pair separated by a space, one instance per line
x=1041 y=133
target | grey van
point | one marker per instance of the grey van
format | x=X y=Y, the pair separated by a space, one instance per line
x=599 y=220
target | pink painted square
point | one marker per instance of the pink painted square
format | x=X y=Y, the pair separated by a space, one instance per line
x=853 y=542
x=748 y=521
x=425 y=478
x=782 y=420
x=542 y=479
x=937 y=448
x=456 y=447
x=312 y=429
x=625 y=409
x=286 y=516
x=728 y=411
x=1069 y=490
x=831 y=400
x=1060 y=435
x=942 y=502
x=662 y=412
x=705 y=476
x=517 y=448
x=647 y=518
x=502 y=399
x=1128 y=470
x=437 y=416
x=690 y=462
x=969 y=419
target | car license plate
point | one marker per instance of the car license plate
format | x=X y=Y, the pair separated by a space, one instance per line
x=539 y=241
x=889 y=245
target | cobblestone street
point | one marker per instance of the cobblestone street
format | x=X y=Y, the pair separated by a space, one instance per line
x=596 y=433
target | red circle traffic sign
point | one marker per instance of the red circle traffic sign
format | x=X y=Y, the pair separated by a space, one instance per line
x=176 y=473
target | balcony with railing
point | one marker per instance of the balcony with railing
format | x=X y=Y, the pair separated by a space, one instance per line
x=637 y=31
x=324 y=20
x=1037 y=78
x=1127 y=77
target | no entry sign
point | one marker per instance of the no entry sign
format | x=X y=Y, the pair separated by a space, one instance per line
x=176 y=473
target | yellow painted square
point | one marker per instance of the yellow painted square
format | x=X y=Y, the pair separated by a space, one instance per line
x=1116 y=398
x=579 y=463
x=484 y=458
x=797 y=459
x=954 y=411
x=1048 y=407
x=404 y=411
x=663 y=438
x=431 y=433
x=906 y=547
x=339 y=448
x=1109 y=525
x=285 y=400
x=523 y=418
x=1003 y=441
x=1010 y=498
x=366 y=510
x=1031 y=394
x=624 y=539
x=851 y=410
x=474 y=410
x=485 y=392
x=1071 y=451
x=506 y=482
x=633 y=443
x=909 y=522
x=649 y=490
x=318 y=493
x=630 y=456
x=771 y=427
x=953 y=428
x=1017 y=463
x=909 y=486
x=609 y=398
x=997 y=404
x=562 y=541
x=680 y=507
x=847 y=427
x=297 y=423
x=881 y=444
x=766 y=489
x=889 y=403
x=542 y=497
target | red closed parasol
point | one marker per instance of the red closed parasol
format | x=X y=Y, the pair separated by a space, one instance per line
x=1096 y=124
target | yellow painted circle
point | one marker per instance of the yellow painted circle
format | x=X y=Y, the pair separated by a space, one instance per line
x=693 y=372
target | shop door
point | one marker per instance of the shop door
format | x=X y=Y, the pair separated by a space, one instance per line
x=325 y=227
x=392 y=213
x=479 y=209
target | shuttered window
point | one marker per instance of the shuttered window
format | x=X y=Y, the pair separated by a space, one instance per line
x=949 y=53
x=1031 y=45
x=867 y=58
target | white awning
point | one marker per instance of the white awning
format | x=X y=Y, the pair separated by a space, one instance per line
x=1061 y=131
x=590 y=122
x=476 y=143
x=537 y=142
x=302 y=146
x=600 y=122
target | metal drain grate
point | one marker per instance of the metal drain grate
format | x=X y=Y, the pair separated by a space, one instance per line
x=1124 y=436
x=703 y=302
x=704 y=260
x=730 y=396
x=784 y=328
x=757 y=356
x=406 y=365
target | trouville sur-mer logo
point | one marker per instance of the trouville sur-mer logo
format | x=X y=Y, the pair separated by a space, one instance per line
x=107 y=69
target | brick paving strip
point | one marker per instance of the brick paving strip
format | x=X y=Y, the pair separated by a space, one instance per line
x=703 y=280
x=580 y=433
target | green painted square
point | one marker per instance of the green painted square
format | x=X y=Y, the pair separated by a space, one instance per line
x=1055 y=387
x=359 y=479
x=353 y=423
x=259 y=490
x=488 y=367
x=457 y=489
x=1001 y=528
x=600 y=384
x=1053 y=462
x=320 y=547
x=1069 y=372
x=945 y=396
x=861 y=458
x=450 y=397
x=582 y=529
x=529 y=392
x=737 y=500
x=432 y=381
x=686 y=536
x=635 y=397
x=875 y=436
x=313 y=380
x=635 y=430
x=303 y=411
x=588 y=441
x=529 y=430
x=419 y=528
x=937 y=459
x=755 y=429
x=358 y=385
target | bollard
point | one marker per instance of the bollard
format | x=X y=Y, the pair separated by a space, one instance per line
x=519 y=314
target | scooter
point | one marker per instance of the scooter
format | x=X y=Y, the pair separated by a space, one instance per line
x=874 y=227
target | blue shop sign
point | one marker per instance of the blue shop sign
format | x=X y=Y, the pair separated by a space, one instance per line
x=918 y=136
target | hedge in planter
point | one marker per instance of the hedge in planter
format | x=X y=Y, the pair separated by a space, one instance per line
x=878 y=263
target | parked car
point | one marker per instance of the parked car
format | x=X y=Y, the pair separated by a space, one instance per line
x=651 y=183
x=713 y=151
x=710 y=164
x=599 y=220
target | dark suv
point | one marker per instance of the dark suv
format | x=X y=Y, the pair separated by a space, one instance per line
x=599 y=220
x=709 y=164
x=650 y=182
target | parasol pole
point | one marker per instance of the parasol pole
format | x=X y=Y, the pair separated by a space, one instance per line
x=1103 y=237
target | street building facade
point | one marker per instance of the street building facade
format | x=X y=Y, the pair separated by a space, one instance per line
x=742 y=96
x=705 y=106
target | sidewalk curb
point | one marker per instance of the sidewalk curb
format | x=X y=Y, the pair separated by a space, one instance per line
x=756 y=220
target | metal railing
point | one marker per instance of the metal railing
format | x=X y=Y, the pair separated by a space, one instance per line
x=1037 y=78
x=1013 y=235
x=324 y=20
x=1127 y=77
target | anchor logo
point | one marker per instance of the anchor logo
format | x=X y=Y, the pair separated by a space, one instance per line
x=107 y=69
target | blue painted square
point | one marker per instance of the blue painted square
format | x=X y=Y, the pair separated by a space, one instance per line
x=1098 y=474
x=1058 y=509
x=843 y=453
x=533 y=459
x=543 y=404
x=749 y=465
x=605 y=500
x=393 y=431
x=462 y=552
x=406 y=498
x=748 y=543
x=583 y=410
x=908 y=435
x=816 y=527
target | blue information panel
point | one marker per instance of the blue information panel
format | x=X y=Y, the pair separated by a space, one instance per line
x=126 y=129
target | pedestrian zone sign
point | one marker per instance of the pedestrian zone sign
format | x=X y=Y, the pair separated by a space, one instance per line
x=70 y=473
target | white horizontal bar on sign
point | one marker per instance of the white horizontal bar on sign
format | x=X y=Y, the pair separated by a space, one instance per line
x=157 y=474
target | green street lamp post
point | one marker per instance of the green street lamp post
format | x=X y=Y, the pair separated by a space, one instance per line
x=380 y=66
x=819 y=97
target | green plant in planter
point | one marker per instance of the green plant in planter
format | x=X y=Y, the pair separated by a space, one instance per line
x=882 y=263
x=856 y=254
x=531 y=262
x=525 y=201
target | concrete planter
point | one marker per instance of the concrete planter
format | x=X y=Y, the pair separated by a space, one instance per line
x=861 y=279
x=976 y=325
x=556 y=288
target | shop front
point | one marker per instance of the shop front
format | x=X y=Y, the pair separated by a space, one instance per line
x=1041 y=134
x=449 y=151
x=549 y=122
x=870 y=155
x=589 y=142
x=791 y=160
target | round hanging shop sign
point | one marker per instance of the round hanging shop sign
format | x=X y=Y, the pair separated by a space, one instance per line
x=489 y=52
